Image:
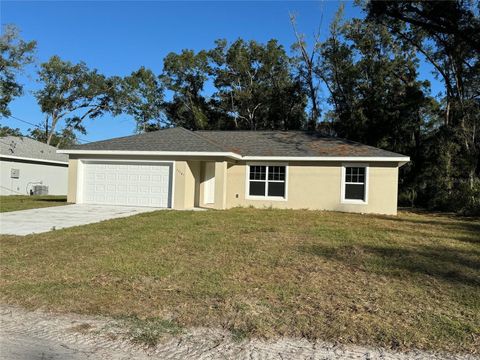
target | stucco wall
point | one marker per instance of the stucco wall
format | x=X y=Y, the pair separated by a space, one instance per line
x=186 y=177
x=72 y=180
x=55 y=177
x=311 y=185
x=318 y=186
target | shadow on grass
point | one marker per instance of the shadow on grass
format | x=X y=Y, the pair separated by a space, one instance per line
x=445 y=263
x=469 y=225
x=53 y=200
x=59 y=200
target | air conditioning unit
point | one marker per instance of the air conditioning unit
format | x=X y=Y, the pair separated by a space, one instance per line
x=40 y=190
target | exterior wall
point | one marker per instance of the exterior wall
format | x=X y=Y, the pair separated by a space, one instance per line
x=195 y=167
x=187 y=174
x=221 y=180
x=318 y=186
x=186 y=177
x=310 y=185
x=72 y=180
x=54 y=176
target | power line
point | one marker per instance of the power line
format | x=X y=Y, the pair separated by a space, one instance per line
x=38 y=127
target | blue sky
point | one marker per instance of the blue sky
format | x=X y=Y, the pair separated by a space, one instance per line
x=118 y=37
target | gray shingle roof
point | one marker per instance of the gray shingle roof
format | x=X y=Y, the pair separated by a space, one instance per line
x=173 y=139
x=28 y=148
x=244 y=143
x=290 y=143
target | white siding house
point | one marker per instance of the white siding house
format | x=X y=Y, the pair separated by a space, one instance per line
x=25 y=162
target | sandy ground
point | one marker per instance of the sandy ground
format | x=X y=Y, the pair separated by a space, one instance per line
x=40 y=335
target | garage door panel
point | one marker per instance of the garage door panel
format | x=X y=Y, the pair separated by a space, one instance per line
x=143 y=189
x=129 y=183
x=111 y=188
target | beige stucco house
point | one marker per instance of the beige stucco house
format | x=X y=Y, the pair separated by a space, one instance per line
x=181 y=169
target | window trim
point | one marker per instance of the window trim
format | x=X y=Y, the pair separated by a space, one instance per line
x=266 y=197
x=342 y=189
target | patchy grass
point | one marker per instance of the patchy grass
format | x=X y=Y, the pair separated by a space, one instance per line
x=411 y=281
x=149 y=331
x=24 y=202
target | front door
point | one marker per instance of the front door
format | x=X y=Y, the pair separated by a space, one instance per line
x=209 y=183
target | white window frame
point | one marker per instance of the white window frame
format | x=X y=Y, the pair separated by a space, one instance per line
x=343 y=183
x=266 y=197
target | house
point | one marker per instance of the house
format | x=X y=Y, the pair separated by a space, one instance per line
x=181 y=169
x=26 y=164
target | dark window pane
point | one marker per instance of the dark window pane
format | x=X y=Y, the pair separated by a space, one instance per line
x=355 y=191
x=276 y=173
x=257 y=188
x=258 y=172
x=276 y=189
x=355 y=174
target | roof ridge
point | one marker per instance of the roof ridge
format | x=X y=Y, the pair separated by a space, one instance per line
x=194 y=132
x=254 y=131
x=129 y=136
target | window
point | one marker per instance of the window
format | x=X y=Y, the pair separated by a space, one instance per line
x=354 y=183
x=268 y=181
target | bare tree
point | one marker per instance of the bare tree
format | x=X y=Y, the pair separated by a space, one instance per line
x=306 y=65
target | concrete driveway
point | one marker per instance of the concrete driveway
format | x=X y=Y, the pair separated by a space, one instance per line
x=34 y=221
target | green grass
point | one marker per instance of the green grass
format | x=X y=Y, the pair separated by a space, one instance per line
x=24 y=202
x=411 y=281
x=149 y=331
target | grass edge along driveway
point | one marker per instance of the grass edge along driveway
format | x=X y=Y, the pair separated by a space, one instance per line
x=411 y=281
x=25 y=202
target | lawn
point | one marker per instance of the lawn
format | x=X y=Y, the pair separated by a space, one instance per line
x=411 y=281
x=24 y=202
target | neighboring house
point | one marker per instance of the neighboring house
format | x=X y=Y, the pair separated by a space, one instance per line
x=181 y=169
x=25 y=163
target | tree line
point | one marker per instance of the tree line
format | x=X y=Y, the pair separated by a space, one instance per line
x=361 y=83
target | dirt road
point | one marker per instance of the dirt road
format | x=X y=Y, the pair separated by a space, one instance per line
x=26 y=335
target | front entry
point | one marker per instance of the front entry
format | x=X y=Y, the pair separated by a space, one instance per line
x=209 y=183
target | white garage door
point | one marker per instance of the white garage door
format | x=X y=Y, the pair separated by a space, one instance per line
x=127 y=183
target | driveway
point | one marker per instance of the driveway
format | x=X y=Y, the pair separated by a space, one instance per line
x=34 y=221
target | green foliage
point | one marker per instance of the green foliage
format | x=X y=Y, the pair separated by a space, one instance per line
x=15 y=54
x=151 y=330
x=60 y=139
x=185 y=74
x=141 y=97
x=8 y=131
x=447 y=34
x=255 y=86
x=72 y=93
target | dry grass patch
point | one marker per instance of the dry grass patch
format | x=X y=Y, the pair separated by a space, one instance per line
x=411 y=281
x=24 y=202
